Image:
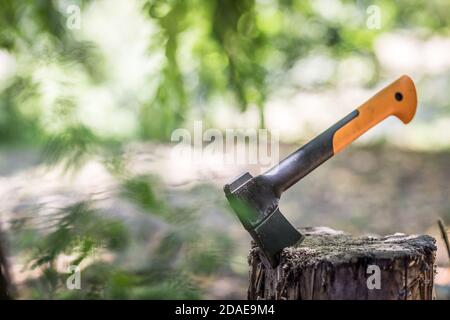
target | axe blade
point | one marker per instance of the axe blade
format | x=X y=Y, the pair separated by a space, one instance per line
x=274 y=234
x=256 y=204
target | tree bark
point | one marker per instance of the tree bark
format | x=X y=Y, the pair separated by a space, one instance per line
x=329 y=264
x=5 y=280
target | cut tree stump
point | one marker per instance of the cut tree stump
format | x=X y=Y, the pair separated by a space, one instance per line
x=329 y=264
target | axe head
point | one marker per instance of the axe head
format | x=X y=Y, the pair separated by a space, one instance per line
x=256 y=204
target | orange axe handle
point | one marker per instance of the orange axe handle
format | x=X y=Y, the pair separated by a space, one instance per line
x=398 y=99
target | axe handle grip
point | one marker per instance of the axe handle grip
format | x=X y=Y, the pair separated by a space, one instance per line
x=398 y=99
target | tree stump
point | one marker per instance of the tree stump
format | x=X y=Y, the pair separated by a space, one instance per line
x=329 y=264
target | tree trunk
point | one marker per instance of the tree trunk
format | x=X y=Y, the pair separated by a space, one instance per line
x=329 y=264
x=5 y=283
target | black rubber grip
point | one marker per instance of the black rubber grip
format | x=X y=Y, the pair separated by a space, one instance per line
x=305 y=159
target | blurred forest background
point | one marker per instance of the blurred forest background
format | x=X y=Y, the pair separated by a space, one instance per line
x=91 y=91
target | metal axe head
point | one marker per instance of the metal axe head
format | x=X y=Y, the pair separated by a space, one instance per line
x=255 y=202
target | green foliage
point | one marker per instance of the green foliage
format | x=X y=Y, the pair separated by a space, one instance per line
x=185 y=251
x=71 y=147
x=141 y=191
x=238 y=51
x=166 y=111
x=205 y=251
x=236 y=48
x=81 y=231
x=237 y=35
x=78 y=231
x=17 y=124
x=34 y=33
x=108 y=282
x=208 y=256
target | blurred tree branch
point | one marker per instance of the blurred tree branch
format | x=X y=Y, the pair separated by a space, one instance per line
x=6 y=287
x=444 y=234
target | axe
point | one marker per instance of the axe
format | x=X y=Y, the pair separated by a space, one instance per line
x=255 y=199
